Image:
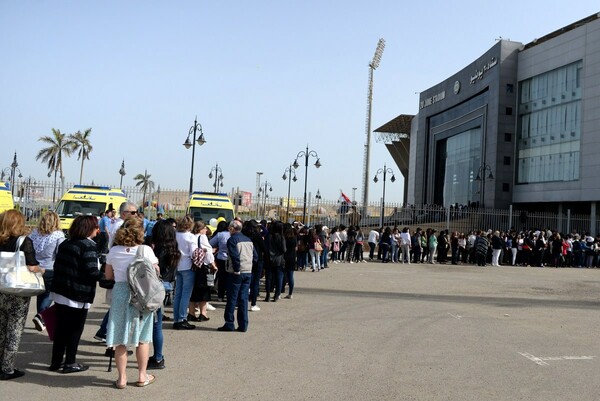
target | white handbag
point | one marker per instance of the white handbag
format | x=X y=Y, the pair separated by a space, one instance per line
x=15 y=277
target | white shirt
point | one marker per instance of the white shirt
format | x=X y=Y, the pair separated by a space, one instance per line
x=187 y=245
x=373 y=236
x=119 y=257
x=113 y=230
x=405 y=238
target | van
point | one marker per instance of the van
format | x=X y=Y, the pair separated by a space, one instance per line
x=6 y=199
x=207 y=206
x=87 y=200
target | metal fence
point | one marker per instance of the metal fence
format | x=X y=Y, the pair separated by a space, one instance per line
x=34 y=197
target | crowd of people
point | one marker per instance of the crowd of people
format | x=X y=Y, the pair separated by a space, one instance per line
x=535 y=247
x=228 y=263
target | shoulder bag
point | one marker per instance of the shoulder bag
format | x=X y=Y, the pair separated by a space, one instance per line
x=15 y=277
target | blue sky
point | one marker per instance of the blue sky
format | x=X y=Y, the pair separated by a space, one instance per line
x=265 y=78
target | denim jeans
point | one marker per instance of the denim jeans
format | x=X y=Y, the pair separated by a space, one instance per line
x=43 y=300
x=371 y=250
x=289 y=274
x=237 y=295
x=254 y=285
x=157 y=336
x=323 y=258
x=102 y=330
x=277 y=272
x=183 y=291
x=314 y=255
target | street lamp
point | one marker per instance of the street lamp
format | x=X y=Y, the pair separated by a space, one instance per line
x=287 y=175
x=122 y=173
x=218 y=177
x=385 y=170
x=14 y=167
x=481 y=177
x=306 y=153
x=267 y=185
x=192 y=144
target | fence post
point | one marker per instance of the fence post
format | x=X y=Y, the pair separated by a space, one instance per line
x=448 y=218
x=568 y=220
x=510 y=215
x=593 y=218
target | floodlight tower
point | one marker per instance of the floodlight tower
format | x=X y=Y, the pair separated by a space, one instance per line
x=372 y=67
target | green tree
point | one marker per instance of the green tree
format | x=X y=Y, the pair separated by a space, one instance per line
x=58 y=145
x=145 y=184
x=81 y=144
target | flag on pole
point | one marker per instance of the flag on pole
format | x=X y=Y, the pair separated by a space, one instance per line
x=344 y=197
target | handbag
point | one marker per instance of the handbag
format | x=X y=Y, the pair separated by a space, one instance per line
x=49 y=316
x=15 y=277
x=336 y=246
x=318 y=246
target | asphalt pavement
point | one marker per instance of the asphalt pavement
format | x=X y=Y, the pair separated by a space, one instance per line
x=366 y=331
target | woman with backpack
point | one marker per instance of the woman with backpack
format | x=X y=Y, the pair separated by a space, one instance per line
x=127 y=326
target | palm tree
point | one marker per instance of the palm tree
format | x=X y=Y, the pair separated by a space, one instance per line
x=58 y=144
x=83 y=147
x=145 y=184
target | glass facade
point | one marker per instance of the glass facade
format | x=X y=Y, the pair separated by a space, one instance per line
x=548 y=146
x=463 y=158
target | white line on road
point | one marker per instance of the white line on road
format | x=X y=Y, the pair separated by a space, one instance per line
x=457 y=317
x=543 y=360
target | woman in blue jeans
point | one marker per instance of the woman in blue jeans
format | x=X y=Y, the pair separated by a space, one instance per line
x=167 y=252
x=186 y=277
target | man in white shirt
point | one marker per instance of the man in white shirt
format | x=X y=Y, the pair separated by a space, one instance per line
x=372 y=240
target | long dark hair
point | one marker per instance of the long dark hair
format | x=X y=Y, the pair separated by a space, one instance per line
x=165 y=244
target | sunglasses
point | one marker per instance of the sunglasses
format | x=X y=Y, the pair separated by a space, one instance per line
x=134 y=212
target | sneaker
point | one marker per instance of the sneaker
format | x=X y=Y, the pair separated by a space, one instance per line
x=255 y=308
x=210 y=307
x=39 y=323
x=351 y=262
x=364 y=261
x=100 y=338
x=289 y=297
x=154 y=364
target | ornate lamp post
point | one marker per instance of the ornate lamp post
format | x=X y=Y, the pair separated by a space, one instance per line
x=385 y=170
x=14 y=168
x=122 y=173
x=192 y=144
x=306 y=153
x=481 y=177
x=287 y=175
x=266 y=185
x=318 y=198
x=218 y=177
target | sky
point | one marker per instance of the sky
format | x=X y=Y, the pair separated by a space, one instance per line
x=265 y=79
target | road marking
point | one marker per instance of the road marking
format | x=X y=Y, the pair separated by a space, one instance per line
x=544 y=360
x=457 y=317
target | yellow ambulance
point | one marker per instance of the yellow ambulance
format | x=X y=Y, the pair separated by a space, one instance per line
x=210 y=207
x=87 y=200
x=6 y=199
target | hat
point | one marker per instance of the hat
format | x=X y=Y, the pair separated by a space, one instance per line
x=325 y=228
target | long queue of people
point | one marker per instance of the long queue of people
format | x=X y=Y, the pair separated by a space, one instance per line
x=535 y=247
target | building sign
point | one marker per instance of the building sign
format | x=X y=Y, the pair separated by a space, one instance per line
x=433 y=99
x=479 y=73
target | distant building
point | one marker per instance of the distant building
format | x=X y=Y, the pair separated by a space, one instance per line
x=520 y=125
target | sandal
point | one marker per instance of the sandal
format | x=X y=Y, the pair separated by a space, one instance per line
x=149 y=380
x=120 y=386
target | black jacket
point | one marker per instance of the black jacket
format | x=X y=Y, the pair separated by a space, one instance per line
x=76 y=270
